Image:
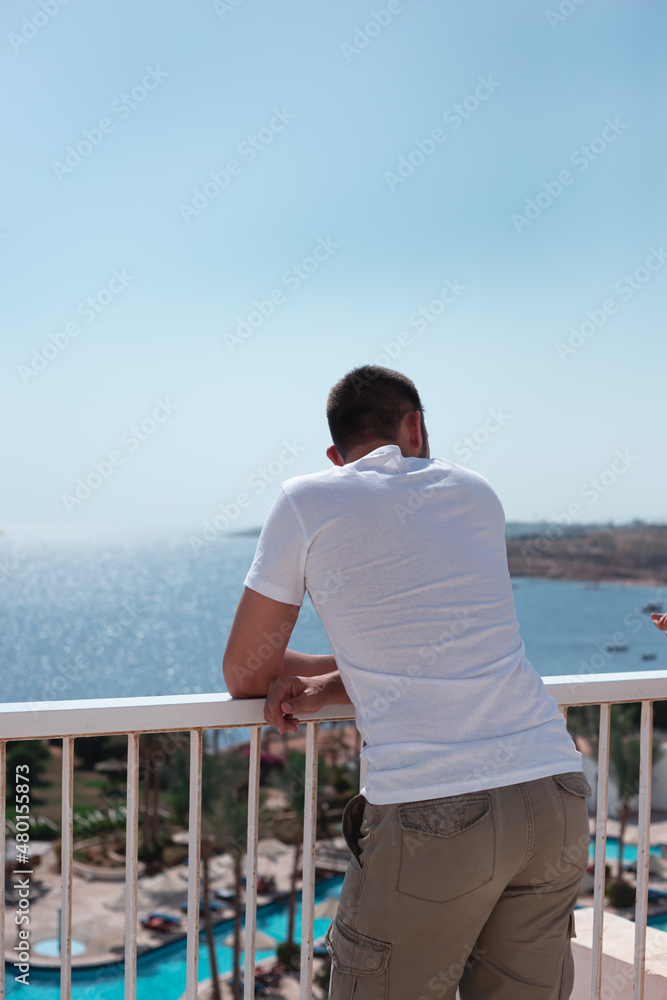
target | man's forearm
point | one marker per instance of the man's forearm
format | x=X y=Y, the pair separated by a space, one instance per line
x=256 y=683
x=307 y=664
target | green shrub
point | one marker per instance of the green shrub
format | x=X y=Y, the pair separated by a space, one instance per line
x=621 y=894
x=289 y=954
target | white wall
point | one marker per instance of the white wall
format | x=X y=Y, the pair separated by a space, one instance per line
x=618 y=958
x=658 y=784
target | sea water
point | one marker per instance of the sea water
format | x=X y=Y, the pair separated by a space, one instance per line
x=110 y=618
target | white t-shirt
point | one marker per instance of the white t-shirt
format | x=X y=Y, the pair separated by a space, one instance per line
x=405 y=562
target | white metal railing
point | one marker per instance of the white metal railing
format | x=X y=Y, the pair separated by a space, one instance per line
x=196 y=713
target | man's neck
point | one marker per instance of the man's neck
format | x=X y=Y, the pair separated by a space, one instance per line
x=360 y=450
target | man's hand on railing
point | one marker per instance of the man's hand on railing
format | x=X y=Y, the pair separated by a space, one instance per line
x=660 y=621
x=290 y=697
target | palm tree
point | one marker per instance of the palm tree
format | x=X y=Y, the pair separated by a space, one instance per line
x=290 y=780
x=151 y=850
x=206 y=850
x=624 y=756
x=224 y=830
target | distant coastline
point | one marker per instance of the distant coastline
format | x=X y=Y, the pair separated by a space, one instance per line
x=635 y=553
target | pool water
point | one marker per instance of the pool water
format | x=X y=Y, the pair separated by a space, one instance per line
x=163 y=972
x=629 y=850
x=50 y=947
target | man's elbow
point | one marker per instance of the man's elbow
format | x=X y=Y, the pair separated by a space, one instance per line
x=239 y=680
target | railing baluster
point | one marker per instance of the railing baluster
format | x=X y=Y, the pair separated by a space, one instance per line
x=3 y=778
x=643 y=847
x=308 y=862
x=194 y=862
x=251 y=864
x=66 y=858
x=600 y=851
x=131 y=857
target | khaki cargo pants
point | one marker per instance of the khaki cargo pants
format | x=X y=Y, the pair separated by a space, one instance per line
x=473 y=891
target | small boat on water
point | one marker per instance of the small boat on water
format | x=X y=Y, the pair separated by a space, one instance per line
x=649 y=656
x=616 y=647
x=651 y=607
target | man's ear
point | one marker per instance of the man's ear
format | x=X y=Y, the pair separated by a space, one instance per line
x=334 y=456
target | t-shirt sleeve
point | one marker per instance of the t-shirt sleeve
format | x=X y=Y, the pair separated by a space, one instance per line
x=278 y=569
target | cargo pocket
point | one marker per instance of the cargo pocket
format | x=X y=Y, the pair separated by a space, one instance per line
x=359 y=964
x=567 y=975
x=447 y=846
x=574 y=789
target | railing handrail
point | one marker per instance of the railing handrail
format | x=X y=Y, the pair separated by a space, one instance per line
x=102 y=716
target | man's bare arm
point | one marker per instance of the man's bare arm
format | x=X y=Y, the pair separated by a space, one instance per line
x=257 y=653
x=308 y=664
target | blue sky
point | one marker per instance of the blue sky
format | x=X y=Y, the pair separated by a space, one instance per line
x=305 y=112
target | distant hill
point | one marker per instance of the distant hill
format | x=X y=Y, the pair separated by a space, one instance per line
x=635 y=553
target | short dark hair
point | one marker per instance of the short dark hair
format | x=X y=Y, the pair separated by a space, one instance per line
x=369 y=404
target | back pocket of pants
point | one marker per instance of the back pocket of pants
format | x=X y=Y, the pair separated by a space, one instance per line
x=574 y=789
x=447 y=846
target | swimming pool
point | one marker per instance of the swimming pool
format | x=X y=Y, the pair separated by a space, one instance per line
x=658 y=923
x=629 y=850
x=162 y=973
